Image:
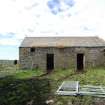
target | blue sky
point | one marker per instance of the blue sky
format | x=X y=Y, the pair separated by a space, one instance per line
x=20 y=18
x=8 y=52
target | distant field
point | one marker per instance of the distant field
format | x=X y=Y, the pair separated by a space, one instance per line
x=94 y=76
x=9 y=62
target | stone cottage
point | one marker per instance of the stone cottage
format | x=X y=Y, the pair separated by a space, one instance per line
x=48 y=53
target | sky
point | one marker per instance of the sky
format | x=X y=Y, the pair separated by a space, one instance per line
x=21 y=18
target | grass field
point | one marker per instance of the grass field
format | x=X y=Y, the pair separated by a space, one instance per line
x=94 y=76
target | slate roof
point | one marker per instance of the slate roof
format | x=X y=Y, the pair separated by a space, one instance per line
x=63 y=42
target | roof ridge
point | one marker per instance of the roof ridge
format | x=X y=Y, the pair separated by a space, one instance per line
x=62 y=37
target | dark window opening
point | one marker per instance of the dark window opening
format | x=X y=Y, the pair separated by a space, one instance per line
x=50 y=62
x=32 y=49
x=15 y=62
x=104 y=50
x=80 y=62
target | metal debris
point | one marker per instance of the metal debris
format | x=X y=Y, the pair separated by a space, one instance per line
x=72 y=88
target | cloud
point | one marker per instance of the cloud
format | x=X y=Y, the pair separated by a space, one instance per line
x=10 y=42
x=35 y=18
x=13 y=16
x=54 y=5
x=69 y=2
x=9 y=39
x=7 y=35
x=20 y=18
x=57 y=6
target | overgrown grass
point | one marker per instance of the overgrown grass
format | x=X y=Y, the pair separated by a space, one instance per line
x=22 y=74
x=60 y=74
x=14 y=91
x=93 y=76
x=14 y=70
x=28 y=74
x=90 y=76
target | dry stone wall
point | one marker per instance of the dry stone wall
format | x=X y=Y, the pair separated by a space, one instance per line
x=64 y=58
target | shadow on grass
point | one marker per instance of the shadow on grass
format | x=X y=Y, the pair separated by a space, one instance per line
x=33 y=91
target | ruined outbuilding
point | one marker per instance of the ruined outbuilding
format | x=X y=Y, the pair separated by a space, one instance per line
x=48 y=53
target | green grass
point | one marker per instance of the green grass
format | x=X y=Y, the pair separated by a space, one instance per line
x=93 y=76
x=6 y=70
x=28 y=74
x=60 y=74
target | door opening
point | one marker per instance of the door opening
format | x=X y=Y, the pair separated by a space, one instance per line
x=80 y=62
x=50 y=62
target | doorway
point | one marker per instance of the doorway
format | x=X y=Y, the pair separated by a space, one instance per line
x=80 y=62
x=50 y=62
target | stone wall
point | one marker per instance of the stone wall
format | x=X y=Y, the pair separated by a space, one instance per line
x=63 y=57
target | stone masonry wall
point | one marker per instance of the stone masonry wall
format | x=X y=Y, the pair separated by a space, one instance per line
x=63 y=57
